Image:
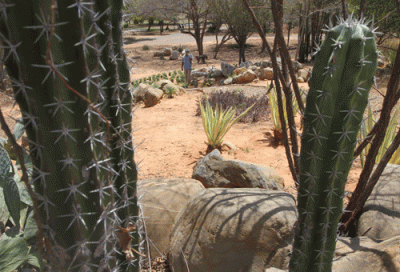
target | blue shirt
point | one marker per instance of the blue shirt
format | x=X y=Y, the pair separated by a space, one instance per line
x=187 y=61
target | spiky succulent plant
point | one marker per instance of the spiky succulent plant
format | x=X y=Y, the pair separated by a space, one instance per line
x=71 y=82
x=342 y=76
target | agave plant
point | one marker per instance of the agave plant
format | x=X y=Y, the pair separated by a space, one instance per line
x=217 y=123
x=366 y=127
x=170 y=91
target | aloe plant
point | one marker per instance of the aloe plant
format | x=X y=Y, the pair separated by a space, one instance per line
x=342 y=76
x=71 y=81
x=217 y=122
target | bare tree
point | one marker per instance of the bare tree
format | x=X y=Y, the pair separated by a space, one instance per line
x=314 y=15
x=283 y=79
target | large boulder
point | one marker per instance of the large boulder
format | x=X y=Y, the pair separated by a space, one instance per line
x=266 y=74
x=381 y=213
x=227 y=69
x=240 y=229
x=381 y=257
x=214 y=171
x=247 y=77
x=175 y=55
x=160 y=202
x=152 y=96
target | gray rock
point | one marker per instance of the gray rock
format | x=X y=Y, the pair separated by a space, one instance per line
x=381 y=212
x=382 y=257
x=228 y=81
x=167 y=51
x=139 y=91
x=215 y=73
x=165 y=83
x=175 y=55
x=198 y=74
x=297 y=65
x=152 y=96
x=241 y=229
x=214 y=171
x=160 y=202
x=246 y=64
x=266 y=63
x=348 y=245
x=227 y=69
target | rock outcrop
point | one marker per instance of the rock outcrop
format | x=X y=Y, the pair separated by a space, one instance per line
x=243 y=229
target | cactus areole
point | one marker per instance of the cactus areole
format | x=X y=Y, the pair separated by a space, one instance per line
x=342 y=76
x=71 y=81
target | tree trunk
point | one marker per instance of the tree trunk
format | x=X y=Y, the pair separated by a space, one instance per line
x=161 y=23
x=345 y=9
x=363 y=4
x=150 y=24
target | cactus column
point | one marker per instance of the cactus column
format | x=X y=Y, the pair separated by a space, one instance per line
x=342 y=76
x=71 y=82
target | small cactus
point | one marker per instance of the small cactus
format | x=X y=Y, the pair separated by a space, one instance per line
x=71 y=81
x=342 y=77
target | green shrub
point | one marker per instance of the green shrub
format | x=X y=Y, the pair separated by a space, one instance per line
x=145 y=47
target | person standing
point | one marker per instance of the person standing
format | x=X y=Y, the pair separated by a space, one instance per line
x=186 y=66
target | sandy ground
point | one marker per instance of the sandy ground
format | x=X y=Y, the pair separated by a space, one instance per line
x=170 y=138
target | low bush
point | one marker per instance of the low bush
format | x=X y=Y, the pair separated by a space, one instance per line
x=145 y=47
x=238 y=99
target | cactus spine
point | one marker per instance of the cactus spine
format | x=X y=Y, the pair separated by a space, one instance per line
x=71 y=82
x=343 y=73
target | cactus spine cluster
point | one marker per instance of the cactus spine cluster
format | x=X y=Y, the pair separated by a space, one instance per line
x=342 y=76
x=71 y=81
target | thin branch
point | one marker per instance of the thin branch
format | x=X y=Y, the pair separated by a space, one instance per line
x=24 y=178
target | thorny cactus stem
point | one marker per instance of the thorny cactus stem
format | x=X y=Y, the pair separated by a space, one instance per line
x=342 y=76
x=71 y=81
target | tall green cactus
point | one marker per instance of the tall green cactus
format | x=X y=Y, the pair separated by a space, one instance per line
x=71 y=82
x=342 y=76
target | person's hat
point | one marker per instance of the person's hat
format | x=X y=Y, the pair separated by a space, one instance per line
x=187 y=50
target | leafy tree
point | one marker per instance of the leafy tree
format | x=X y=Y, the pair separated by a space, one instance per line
x=238 y=20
